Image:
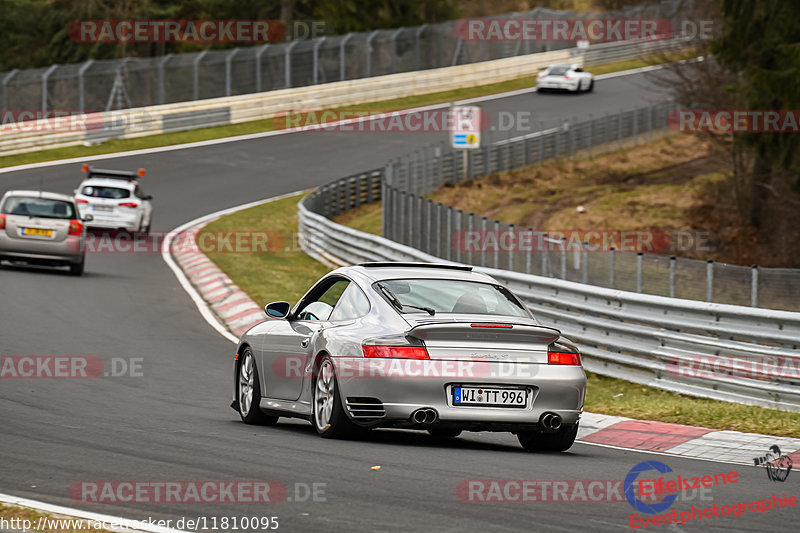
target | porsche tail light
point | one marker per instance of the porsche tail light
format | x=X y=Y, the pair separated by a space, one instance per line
x=560 y=357
x=2 y=222
x=129 y=204
x=396 y=352
x=75 y=227
x=395 y=347
x=81 y=201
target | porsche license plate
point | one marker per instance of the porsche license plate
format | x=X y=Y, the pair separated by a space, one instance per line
x=38 y=232
x=490 y=397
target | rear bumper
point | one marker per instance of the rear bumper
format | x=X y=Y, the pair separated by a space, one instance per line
x=120 y=220
x=403 y=388
x=68 y=251
x=557 y=86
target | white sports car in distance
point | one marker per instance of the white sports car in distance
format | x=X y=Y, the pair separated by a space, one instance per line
x=564 y=77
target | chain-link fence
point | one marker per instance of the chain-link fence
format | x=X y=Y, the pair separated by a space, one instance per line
x=135 y=82
x=443 y=231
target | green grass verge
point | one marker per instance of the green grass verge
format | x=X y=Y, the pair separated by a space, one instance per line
x=258 y=126
x=266 y=277
x=287 y=274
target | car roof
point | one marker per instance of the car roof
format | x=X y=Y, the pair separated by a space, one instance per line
x=40 y=194
x=372 y=272
x=109 y=182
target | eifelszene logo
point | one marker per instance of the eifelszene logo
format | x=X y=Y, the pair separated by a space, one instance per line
x=778 y=466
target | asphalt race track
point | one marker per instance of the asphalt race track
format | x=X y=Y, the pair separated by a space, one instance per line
x=173 y=422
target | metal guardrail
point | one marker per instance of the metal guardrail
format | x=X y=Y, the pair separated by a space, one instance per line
x=453 y=234
x=716 y=351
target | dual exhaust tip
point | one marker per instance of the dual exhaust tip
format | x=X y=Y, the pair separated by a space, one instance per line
x=551 y=421
x=424 y=416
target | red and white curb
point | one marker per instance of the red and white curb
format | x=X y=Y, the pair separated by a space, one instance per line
x=229 y=303
x=679 y=440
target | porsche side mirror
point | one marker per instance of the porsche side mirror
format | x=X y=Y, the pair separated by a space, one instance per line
x=277 y=309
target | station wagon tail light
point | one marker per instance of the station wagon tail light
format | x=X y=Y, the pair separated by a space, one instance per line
x=81 y=201
x=2 y=222
x=129 y=204
x=562 y=358
x=75 y=227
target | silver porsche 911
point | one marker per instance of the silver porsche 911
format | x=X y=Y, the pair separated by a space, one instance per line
x=411 y=345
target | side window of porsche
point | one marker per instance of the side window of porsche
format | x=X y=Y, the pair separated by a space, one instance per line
x=352 y=304
x=322 y=306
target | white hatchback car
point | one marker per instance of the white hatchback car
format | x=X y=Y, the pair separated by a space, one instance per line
x=115 y=200
x=564 y=77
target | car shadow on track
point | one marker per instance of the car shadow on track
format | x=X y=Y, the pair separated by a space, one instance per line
x=411 y=438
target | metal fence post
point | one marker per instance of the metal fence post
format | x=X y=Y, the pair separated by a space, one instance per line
x=317 y=43
x=162 y=80
x=418 y=36
x=585 y=263
x=287 y=64
x=260 y=52
x=483 y=237
x=428 y=226
x=639 y=257
x=754 y=286
x=369 y=53
x=395 y=33
x=563 y=258
x=450 y=238
x=45 y=76
x=709 y=280
x=611 y=267
x=497 y=244
x=6 y=79
x=449 y=233
x=228 y=60
x=81 y=85
x=438 y=229
x=463 y=240
x=342 y=57
x=196 y=75
x=672 y=261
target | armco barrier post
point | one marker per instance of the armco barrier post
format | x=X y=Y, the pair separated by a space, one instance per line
x=611 y=266
x=496 y=261
x=483 y=248
x=754 y=286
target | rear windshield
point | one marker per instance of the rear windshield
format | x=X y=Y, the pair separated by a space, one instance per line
x=38 y=207
x=115 y=193
x=558 y=70
x=454 y=296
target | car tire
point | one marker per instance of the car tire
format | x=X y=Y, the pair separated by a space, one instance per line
x=591 y=86
x=560 y=441
x=248 y=392
x=327 y=412
x=444 y=433
x=76 y=269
